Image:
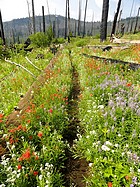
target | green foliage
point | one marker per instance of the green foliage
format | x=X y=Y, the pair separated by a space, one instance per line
x=58 y=40
x=81 y=43
x=41 y=39
x=3 y=51
x=97 y=36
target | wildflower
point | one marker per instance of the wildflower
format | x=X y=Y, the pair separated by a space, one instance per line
x=50 y=111
x=1 y=116
x=128 y=84
x=36 y=156
x=127 y=177
x=35 y=173
x=105 y=148
x=108 y=143
x=131 y=185
x=30 y=137
x=2 y=185
x=40 y=177
x=40 y=134
x=90 y=164
x=28 y=121
x=19 y=167
x=109 y=184
x=25 y=156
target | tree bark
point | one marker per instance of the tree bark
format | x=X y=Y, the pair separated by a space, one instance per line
x=66 y=20
x=85 y=19
x=92 y=25
x=79 y=19
x=29 y=24
x=2 y=30
x=33 y=13
x=135 y=28
x=115 y=18
x=130 y=17
x=103 y=31
x=49 y=12
x=43 y=16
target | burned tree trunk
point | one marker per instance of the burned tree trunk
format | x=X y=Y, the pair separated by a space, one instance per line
x=1 y=29
x=29 y=23
x=49 y=13
x=75 y=29
x=135 y=28
x=68 y=21
x=85 y=19
x=92 y=25
x=79 y=19
x=43 y=16
x=103 y=31
x=118 y=26
x=130 y=16
x=66 y=16
x=115 y=18
x=33 y=13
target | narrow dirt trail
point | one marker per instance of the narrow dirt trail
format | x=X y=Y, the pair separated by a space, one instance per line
x=75 y=168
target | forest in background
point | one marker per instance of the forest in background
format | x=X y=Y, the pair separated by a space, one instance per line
x=18 y=30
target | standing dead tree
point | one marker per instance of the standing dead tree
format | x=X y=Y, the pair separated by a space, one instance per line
x=84 y=29
x=68 y=21
x=33 y=13
x=29 y=24
x=79 y=18
x=49 y=12
x=118 y=26
x=135 y=28
x=43 y=17
x=103 y=31
x=66 y=17
x=130 y=16
x=115 y=18
x=92 y=24
x=1 y=29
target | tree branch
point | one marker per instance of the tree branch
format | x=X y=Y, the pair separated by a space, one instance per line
x=19 y=65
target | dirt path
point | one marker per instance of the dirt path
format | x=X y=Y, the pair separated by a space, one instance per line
x=75 y=169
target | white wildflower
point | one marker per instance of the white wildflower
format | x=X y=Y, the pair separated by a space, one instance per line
x=40 y=177
x=13 y=155
x=93 y=132
x=108 y=143
x=4 y=135
x=90 y=164
x=18 y=175
x=116 y=145
x=105 y=148
x=119 y=135
x=13 y=147
x=2 y=185
x=101 y=106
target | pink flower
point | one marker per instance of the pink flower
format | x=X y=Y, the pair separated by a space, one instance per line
x=50 y=111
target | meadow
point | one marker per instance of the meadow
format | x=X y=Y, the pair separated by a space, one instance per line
x=107 y=110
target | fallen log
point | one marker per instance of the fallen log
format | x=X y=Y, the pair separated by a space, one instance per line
x=131 y=65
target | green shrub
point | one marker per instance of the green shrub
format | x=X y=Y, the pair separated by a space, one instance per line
x=81 y=43
x=39 y=39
